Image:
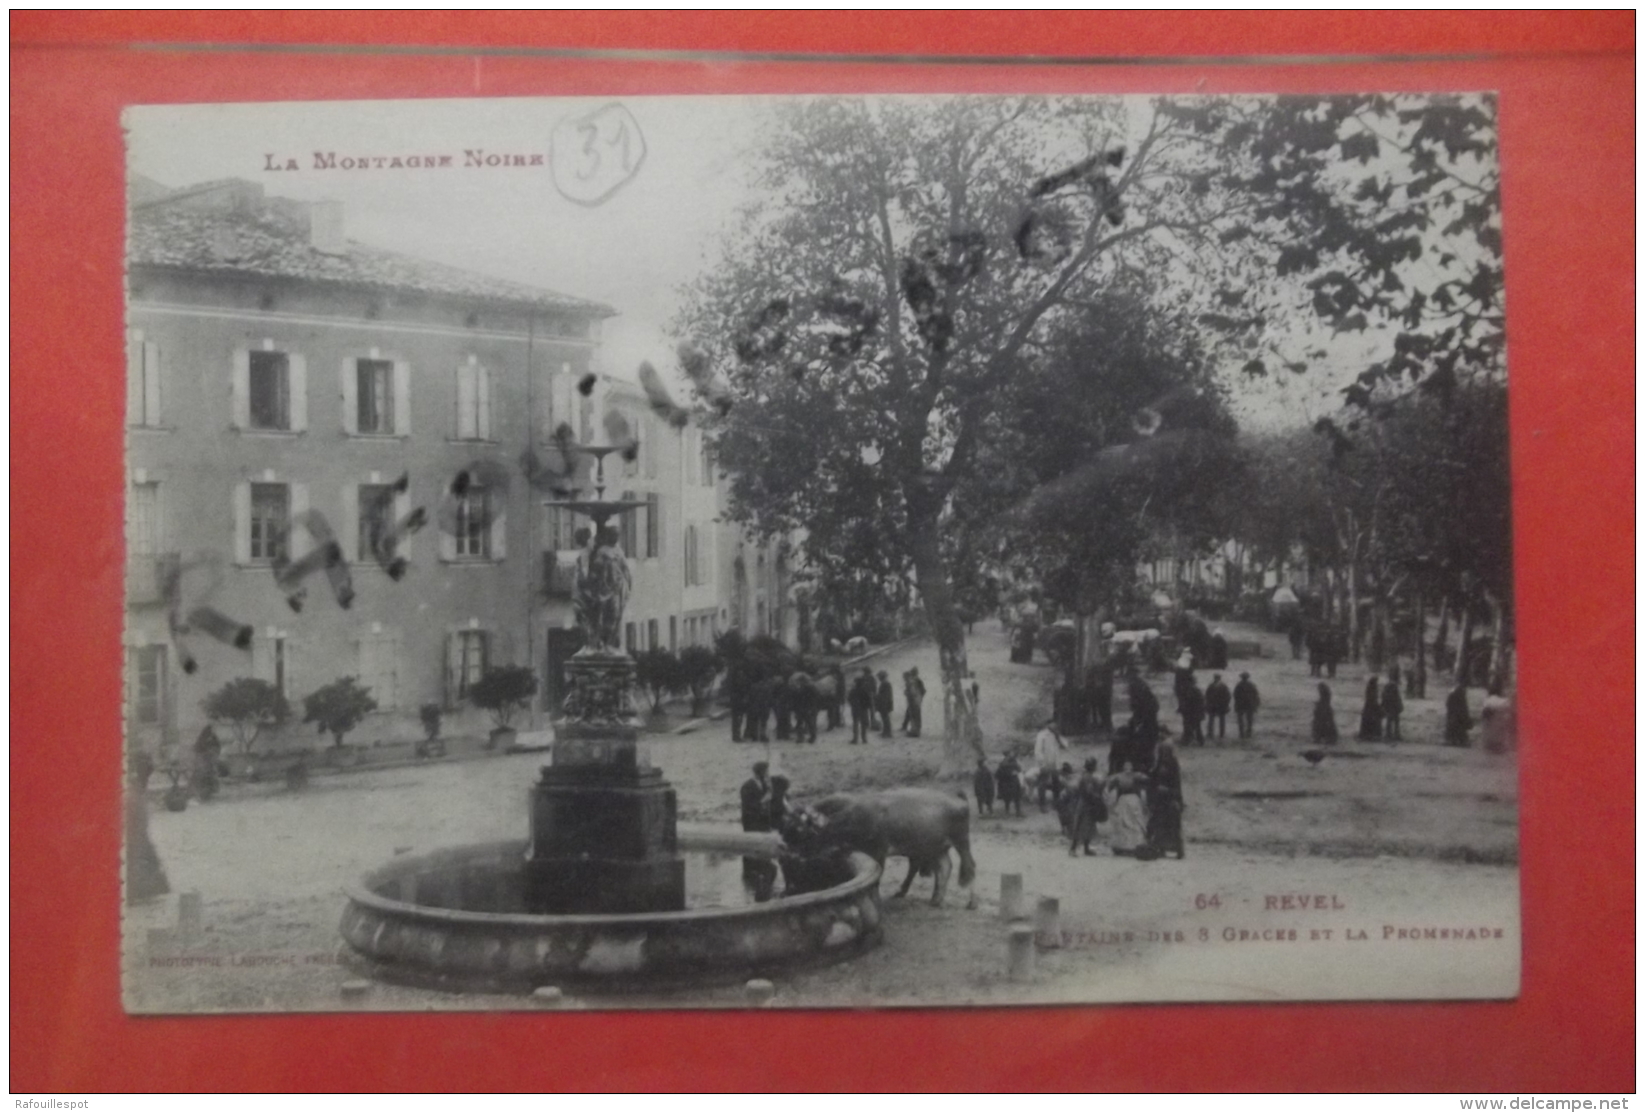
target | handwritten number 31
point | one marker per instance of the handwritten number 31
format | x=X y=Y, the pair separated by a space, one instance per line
x=592 y=153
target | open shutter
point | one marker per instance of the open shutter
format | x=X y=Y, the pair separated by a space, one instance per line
x=402 y=507
x=389 y=649
x=499 y=530
x=350 y=538
x=296 y=681
x=262 y=656
x=240 y=388
x=402 y=398
x=298 y=368
x=242 y=523
x=134 y=377
x=348 y=383
x=151 y=383
x=448 y=544
x=300 y=541
x=465 y=427
x=482 y=402
x=454 y=667
x=365 y=663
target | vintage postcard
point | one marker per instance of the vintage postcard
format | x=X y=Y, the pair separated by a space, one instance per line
x=817 y=551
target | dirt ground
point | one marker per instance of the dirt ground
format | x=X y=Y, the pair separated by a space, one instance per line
x=1383 y=847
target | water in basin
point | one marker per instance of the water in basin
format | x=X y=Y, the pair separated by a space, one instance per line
x=713 y=879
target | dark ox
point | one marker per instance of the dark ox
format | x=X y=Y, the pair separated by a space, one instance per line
x=919 y=824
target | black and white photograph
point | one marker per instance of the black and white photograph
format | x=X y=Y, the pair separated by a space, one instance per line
x=817 y=552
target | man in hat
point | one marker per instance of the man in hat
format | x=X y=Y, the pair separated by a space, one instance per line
x=756 y=803
x=1246 y=702
x=1217 y=701
x=913 y=692
x=882 y=703
x=759 y=874
x=861 y=699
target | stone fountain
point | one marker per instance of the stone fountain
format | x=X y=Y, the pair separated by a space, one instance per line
x=605 y=890
x=603 y=821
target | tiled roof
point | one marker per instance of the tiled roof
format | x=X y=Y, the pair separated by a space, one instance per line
x=228 y=227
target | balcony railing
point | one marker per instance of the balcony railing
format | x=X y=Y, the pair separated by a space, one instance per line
x=146 y=578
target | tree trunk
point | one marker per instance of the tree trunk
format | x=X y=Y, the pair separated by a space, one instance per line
x=1499 y=650
x=1377 y=644
x=1353 y=610
x=1467 y=636
x=1443 y=637
x=962 y=736
x=1419 y=670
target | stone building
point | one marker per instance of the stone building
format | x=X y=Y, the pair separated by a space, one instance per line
x=281 y=379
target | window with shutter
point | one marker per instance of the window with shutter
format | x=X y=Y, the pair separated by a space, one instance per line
x=630 y=530
x=268 y=388
x=270 y=521
x=149 y=684
x=142 y=380
x=472 y=650
x=653 y=526
x=374 y=396
x=143 y=516
x=375 y=520
x=473 y=533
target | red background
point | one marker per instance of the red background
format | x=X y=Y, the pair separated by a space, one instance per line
x=1566 y=85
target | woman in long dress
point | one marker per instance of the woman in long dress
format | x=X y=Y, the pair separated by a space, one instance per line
x=1325 y=720
x=1127 y=819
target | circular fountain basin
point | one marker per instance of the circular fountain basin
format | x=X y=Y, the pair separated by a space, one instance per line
x=455 y=919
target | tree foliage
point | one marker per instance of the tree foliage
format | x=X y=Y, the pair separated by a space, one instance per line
x=658 y=672
x=905 y=261
x=249 y=707
x=699 y=665
x=504 y=691
x=338 y=708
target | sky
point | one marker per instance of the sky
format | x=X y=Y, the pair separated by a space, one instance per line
x=633 y=250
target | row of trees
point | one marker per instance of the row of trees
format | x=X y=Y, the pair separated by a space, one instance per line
x=1407 y=510
x=249 y=706
x=968 y=335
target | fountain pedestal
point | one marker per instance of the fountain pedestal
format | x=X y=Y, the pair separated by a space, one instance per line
x=603 y=822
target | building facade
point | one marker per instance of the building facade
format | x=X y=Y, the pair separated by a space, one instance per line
x=289 y=388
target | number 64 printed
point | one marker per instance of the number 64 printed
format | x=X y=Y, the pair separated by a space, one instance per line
x=595 y=155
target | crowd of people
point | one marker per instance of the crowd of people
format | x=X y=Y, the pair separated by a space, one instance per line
x=790 y=703
x=1137 y=798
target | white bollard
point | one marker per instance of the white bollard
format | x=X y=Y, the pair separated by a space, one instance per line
x=1048 y=922
x=1021 y=953
x=760 y=992
x=547 y=997
x=1010 y=896
x=189 y=913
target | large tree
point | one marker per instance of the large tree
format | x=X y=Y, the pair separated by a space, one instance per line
x=905 y=259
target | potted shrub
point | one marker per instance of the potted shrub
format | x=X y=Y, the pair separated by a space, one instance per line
x=338 y=708
x=432 y=743
x=699 y=665
x=504 y=691
x=248 y=707
x=658 y=672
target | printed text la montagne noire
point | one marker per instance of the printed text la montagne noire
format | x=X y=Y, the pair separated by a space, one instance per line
x=477 y=158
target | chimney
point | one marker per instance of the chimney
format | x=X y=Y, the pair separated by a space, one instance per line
x=325 y=224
